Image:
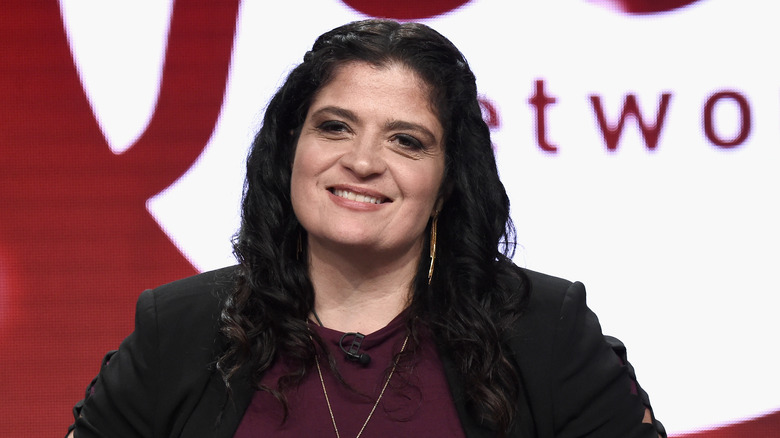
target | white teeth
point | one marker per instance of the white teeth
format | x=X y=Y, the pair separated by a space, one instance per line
x=352 y=196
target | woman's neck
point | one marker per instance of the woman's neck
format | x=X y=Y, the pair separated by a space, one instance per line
x=360 y=292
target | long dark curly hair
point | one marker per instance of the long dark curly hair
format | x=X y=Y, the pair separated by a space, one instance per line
x=476 y=293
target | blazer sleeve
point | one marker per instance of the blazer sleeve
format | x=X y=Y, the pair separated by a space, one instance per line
x=620 y=349
x=120 y=401
x=592 y=389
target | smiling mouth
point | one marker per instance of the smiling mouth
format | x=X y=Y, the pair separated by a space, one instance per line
x=352 y=196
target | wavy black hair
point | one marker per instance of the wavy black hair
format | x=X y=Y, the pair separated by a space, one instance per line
x=476 y=294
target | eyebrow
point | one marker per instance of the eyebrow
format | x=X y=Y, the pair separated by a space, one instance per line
x=337 y=111
x=391 y=125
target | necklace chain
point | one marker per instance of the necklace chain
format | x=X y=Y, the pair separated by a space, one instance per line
x=381 y=393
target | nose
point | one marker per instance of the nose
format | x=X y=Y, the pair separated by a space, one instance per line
x=364 y=157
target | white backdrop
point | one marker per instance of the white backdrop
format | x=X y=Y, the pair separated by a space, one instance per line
x=678 y=245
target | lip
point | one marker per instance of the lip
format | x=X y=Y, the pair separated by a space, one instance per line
x=359 y=191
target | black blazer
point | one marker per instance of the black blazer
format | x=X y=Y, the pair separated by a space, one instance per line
x=162 y=381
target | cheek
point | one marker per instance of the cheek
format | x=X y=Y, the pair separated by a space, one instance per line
x=431 y=185
x=308 y=165
x=295 y=187
x=308 y=160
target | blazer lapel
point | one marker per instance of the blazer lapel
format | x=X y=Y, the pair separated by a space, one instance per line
x=214 y=405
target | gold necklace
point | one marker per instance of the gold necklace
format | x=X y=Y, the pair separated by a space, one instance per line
x=381 y=393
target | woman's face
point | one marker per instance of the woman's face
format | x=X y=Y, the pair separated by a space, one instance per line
x=369 y=161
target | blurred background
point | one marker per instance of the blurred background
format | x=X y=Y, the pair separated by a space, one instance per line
x=638 y=141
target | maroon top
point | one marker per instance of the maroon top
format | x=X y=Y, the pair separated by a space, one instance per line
x=417 y=402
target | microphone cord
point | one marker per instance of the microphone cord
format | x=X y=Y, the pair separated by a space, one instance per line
x=314 y=312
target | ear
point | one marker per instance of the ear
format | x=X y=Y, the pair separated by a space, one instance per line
x=444 y=193
x=437 y=207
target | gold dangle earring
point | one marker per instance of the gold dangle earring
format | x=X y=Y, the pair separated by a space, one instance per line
x=433 y=246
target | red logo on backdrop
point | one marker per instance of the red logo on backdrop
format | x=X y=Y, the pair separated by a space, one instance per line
x=644 y=6
x=405 y=9
x=650 y=126
x=77 y=244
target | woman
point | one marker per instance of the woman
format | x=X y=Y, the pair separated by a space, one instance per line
x=371 y=296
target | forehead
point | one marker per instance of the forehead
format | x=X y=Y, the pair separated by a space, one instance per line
x=386 y=88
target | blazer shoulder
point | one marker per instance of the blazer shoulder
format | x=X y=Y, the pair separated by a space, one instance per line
x=547 y=292
x=205 y=286
x=545 y=282
x=533 y=336
x=190 y=342
x=552 y=304
x=194 y=299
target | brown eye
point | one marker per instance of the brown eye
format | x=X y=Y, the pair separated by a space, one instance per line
x=333 y=126
x=409 y=142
